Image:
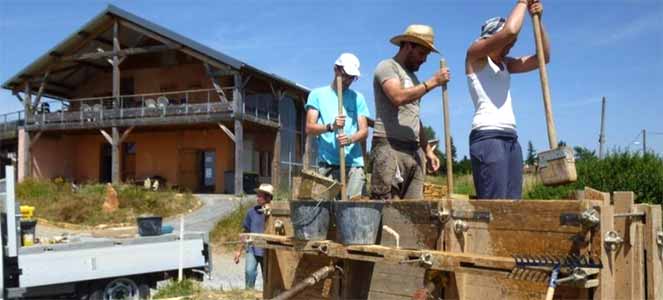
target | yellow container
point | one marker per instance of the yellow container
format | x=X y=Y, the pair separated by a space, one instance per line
x=27 y=211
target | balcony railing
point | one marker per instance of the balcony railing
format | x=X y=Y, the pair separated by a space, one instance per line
x=10 y=123
x=127 y=107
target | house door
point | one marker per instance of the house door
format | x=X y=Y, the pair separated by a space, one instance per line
x=105 y=163
x=189 y=169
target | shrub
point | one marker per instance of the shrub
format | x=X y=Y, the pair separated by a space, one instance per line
x=618 y=171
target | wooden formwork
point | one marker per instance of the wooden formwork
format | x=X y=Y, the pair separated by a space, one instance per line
x=471 y=247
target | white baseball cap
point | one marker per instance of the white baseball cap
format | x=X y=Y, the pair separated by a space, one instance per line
x=350 y=64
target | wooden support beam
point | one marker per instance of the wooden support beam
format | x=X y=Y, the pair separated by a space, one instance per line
x=215 y=83
x=41 y=90
x=125 y=134
x=168 y=42
x=123 y=53
x=246 y=81
x=34 y=140
x=227 y=131
x=239 y=134
x=108 y=138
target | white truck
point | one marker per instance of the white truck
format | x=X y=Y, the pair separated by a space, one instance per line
x=93 y=269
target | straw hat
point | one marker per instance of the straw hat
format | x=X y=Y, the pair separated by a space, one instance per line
x=420 y=34
x=266 y=188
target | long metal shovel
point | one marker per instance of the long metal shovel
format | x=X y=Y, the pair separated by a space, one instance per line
x=556 y=166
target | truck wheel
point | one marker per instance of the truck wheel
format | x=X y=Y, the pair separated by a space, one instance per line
x=121 y=288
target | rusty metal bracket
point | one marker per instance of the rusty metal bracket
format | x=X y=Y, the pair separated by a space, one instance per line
x=479 y=216
x=442 y=215
x=659 y=238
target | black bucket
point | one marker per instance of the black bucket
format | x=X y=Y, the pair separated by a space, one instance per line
x=28 y=232
x=310 y=219
x=149 y=226
x=358 y=222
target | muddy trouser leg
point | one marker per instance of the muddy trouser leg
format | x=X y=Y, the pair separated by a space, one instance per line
x=383 y=166
x=490 y=168
x=356 y=182
x=515 y=184
x=414 y=183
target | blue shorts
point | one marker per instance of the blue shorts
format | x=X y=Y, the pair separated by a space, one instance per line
x=497 y=164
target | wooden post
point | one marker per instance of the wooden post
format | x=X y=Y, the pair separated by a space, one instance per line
x=27 y=104
x=276 y=160
x=629 y=264
x=653 y=251
x=116 y=68
x=239 y=134
x=27 y=154
x=606 y=289
x=341 y=148
x=115 y=168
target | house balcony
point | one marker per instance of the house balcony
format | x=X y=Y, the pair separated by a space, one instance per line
x=199 y=106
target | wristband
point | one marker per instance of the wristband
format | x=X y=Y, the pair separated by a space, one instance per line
x=425 y=86
x=330 y=128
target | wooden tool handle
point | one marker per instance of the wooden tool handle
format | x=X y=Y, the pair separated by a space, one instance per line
x=341 y=148
x=545 y=88
x=447 y=134
x=550 y=293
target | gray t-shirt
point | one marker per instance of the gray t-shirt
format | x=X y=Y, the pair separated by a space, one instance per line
x=401 y=123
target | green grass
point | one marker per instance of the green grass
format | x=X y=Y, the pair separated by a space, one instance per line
x=464 y=184
x=58 y=201
x=229 y=228
x=173 y=288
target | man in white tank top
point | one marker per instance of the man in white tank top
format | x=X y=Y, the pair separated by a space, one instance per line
x=497 y=161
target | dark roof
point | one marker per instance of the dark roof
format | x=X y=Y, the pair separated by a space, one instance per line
x=39 y=65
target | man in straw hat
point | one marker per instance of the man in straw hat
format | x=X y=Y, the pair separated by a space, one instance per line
x=254 y=222
x=398 y=147
x=322 y=121
x=497 y=160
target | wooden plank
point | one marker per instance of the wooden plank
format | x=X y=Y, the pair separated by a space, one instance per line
x=606 y=289
x=513 y=229
x=120 y=53
x=413 y=222
x=623 y=203
x=653 y=251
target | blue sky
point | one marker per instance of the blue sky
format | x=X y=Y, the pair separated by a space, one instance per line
x=611 y=48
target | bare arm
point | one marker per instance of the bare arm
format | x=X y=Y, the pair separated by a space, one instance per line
x=401 y=96
x=528 y=63
x=482 y=48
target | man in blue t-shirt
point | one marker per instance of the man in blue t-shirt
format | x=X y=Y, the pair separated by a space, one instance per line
x=322 y=121
x=254 y=222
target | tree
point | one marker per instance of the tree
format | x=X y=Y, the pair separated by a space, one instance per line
x=531 y=154
x=561 y=143
x=582 y=153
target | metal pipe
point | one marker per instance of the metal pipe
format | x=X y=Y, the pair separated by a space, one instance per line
x=314 y=278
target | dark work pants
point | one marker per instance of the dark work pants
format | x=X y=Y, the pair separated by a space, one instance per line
x=497 y=164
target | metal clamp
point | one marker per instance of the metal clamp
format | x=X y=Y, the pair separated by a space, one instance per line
x=442 y=215
x=659 y=238
x=612 y=240
x=460 y=226
x=577 y=276
x=279 y=227
x=425 y=259
x=590 y=218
